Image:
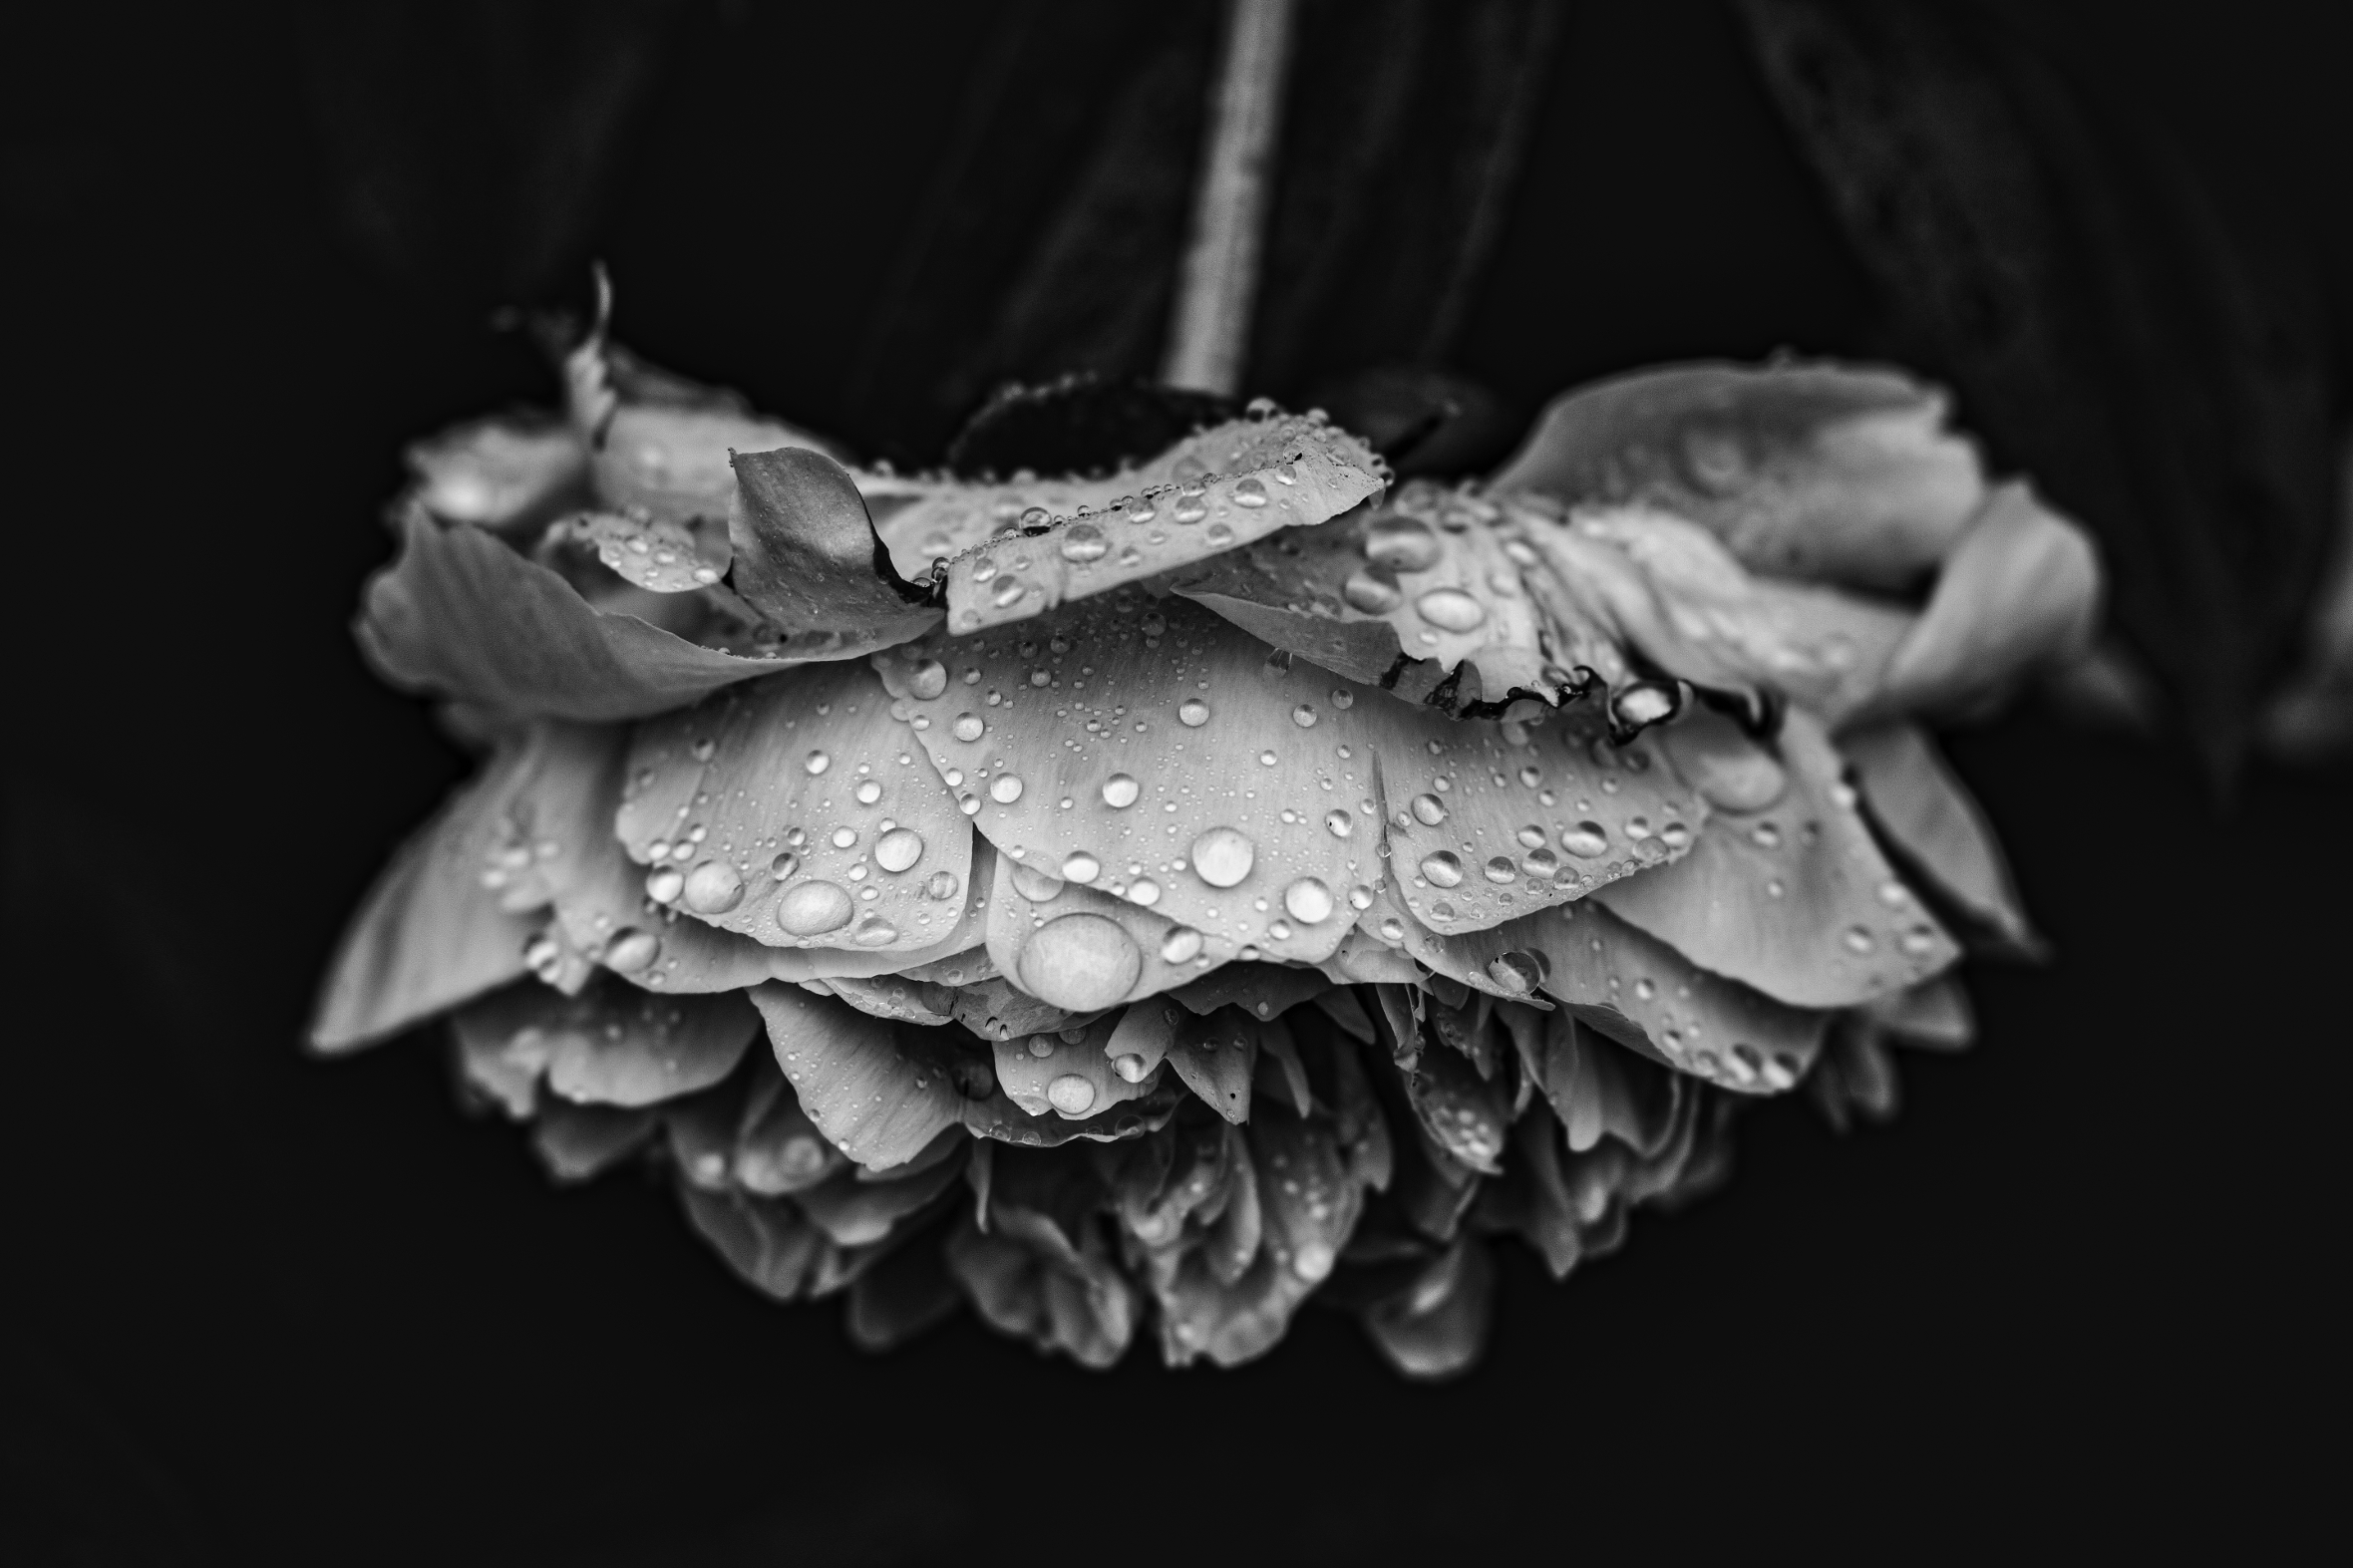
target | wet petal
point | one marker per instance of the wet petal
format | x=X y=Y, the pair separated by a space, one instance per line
x=2020 y=595
x=430 y=935
x=461 y=615
x=657 y=555
x=578 y=1143
x=1435 y=1327
x=1465 y=1114
x=808 y=558
x=996 y=1009
x=1083 y=950
x=1260 y=477
x=800 y=813
x=1815 y=471
x=880 y=1093
x=998 y=1119
x=611 y=1045
x=1308 y=1195
x=854 y=1213
x=775 y=1148
x=1217 y=1056
x=1796 y=900
x=1930 y=817
x=1601 y=1089
x=1140 y=1039
x=893 y=997
x=1262 y=990
x=1066 y=1072
x=502 y=473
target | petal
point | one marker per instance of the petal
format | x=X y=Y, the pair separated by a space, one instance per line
x=879 y=1093
x=1406 y=596
x=2020 y=595
x=429 y=934
x=996 y=1009
x=1465 y=1113
x=657 y=555
x=798 y=814
x=854 y=1213
x=902 y=1296
x=1217 y=1056
x=767 y=1241
x=1144 y=1032
x=1796 y=900
x=1066 y=1074
x=1223 y=487
x=578 y=1143
x=503 y=474
x=1932 y=822
x=774 y=1148
x=1089 y=1314
x=998 y=1119
x=611 y=1045
x=1083 y=950
x=1262 y=990
x=806 y=555
x=1815 y=472
x=1933 y=1017
x=1310 y=1197
x=1435 y=1327
x=461 y=615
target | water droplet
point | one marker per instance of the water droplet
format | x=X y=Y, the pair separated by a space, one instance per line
x=1429 y=810
x=1541 y=864
x=1155 y=624
x=1033 y=884
x=1371 y=594
x=1585 y=841
x=1130 y=1068
x=1645 y=703
x=1919 y=941
x=1144 y=890
x=1080 y=866
x=1500 y=870
x=968 y=727
x=1304 y=715
x=1141 y=509
x=968 y=804
x=898 y=848
x=1637 y=828
x=1859 y=940
x=783 y=865
x=1775 y=890
x=1071 y=1094
x=1119 y=791
x=943 y=885
x=844 y=837
x=1442 y=869
x=1192 y=712
x=1079 y=962
x=1222 y=857
x=1402 y=544
x=631 y=950
x=1007 y=593
x=1250 y=492
x=928 y=680
x=1531 y=837
x=665 y=884
x=1895 y=894
x=1005 y=788
x=1182 y=945
x=867 y=791
x=813 y=908
x=876 y=933
x=818 y=762
x=1516 y=973
x=1084 y=542
x=713 y=888
x=1189 y=507
x=1338 y=822
x=1765 y=836
x=1308 y=901
x=985 y=568
x=1218 y=534
x=1451 y=609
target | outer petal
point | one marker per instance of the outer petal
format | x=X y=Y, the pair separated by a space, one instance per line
x=1928 y=816
x=1796 y=899
x=806 y=816
x=878 y=1093
x=501 y=472
x=808 y=558
x=430 y=935
x=463 y=615
x=1815 y=472
x=1067 y=1073
x=611 y=1046
x=1435 y=1327
x=1083 y=950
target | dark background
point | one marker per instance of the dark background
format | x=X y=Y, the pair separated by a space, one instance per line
x=267 y=1309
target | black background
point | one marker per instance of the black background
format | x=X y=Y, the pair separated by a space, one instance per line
x=267 y=1309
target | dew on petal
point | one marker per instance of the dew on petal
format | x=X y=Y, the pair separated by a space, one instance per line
x=1071 y=1094
x=1005 y=788
x=968 y=727
x=1079 y=962
x=1444 y=869
x=783 y=865
x=1119 y=791
x=813 y=908
x=930 y=678
x=1450 y=610
x=664 y=884
x=1338 y=822
x=1182 y=945
x=1222 y=857
x=1308 y=901
x=1429 y=810
x=1144 y=890
x=898 y=849
x=818 y=762
x=1192 y=712
x=1402 y=544
x=1372 y=594
x=1084 y=542
x=1304 y=715
x=1081 y=867
x=1250 y=492
x=713 y=888
x=1585 y=841
x=631 y=950
x=1500 y=870
x=942 y=885
x=1033 y=884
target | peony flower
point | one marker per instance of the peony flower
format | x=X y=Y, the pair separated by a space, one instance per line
x=1135 y=903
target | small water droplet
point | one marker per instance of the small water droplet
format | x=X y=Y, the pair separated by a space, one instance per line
x=876 y=933
x=1005 y=788
x=664 y=884
x=1450 y=610
x=898 y=849
x=1182 y=945
x=1084 y=542
x=1189 y=507
x=844 y=837
x=1131 y=1068
x=1192 y=712
x=1402 y=544
x=1338 y=822
x=1119 y=791
x=1429 y=810
x=1309 y=900
x=783 y=865
x=1372 y=594
x=713 y=888
x=968 y=727
x=867 y=791
x=813 y=908
x=1500 y=870
x=1304 y=715
x=631 y=950
x=1222 y=857
x=1080 y=866
x=818 y=762
x=1765 y=836
x=1250 y=492
x=943 y=885
x=1144 y=890
x=1444 y=869
x=1585 y=841
x=1037 y=886
x=1859 y=940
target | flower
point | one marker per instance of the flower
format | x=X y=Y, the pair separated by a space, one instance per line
x=1135 y=903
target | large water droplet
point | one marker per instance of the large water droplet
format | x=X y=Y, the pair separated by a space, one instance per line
x=713 y=888
x=1309 y=900
x=1189 y=508
x=1429 y=810
x=1005 y=788
x=1442 y=869
x=1144 y=891
x=1402 y=544
x=1250 y=492
x=1500 y=870
x=1082 y=963
x=1222 y=857
x=1081 y=867
x=1585 y=841
x=783 y=865
x=868 y=791
x=1182 y=945
x=1084 y=542
x=929 y=678
x=1039 y=888
x=1131 y=1068
x=1541 y=864
x=811 y=909
x=1338 y=822
x=665 y=884
x=1304 y=715
x=631 y=950
x=1515 y=973
x=1371 y=594
x=844 y=837
x=1451 y=609
x=818 y=762
x=968 y=727
x=942 y=885
x=876 y=933
x=1071 y=1094
x=1192 y=712
x=898 y=850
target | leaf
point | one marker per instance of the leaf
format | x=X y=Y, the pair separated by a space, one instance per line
x=1068 y=1073
x=501 y=473
x=808 y=558
x=1406 y=597
x=612 y=1045
x=1072 y=538
x=797 y=812
x=877 y=1093
x=1435 y=1327
x=1632 y=987
x=430 y=935
x=1815 y=471
x=1797 y=900
x=1928 y=816
x=1217 y=1056
x=461 y=615
x=1080 y=950
x=2020 y=595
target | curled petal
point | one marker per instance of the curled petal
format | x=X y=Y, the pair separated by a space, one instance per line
x=1436 y=1325
x=1066 y=1074
x=1930 y=817
x=1815 y=472
x=1796 y=900
x=807 y=556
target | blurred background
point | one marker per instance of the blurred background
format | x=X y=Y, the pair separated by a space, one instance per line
x=268 y=1309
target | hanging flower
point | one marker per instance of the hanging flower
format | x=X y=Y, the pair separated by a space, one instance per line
x=1135 y=903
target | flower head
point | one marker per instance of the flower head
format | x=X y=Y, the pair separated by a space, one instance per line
x=1135 y=903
